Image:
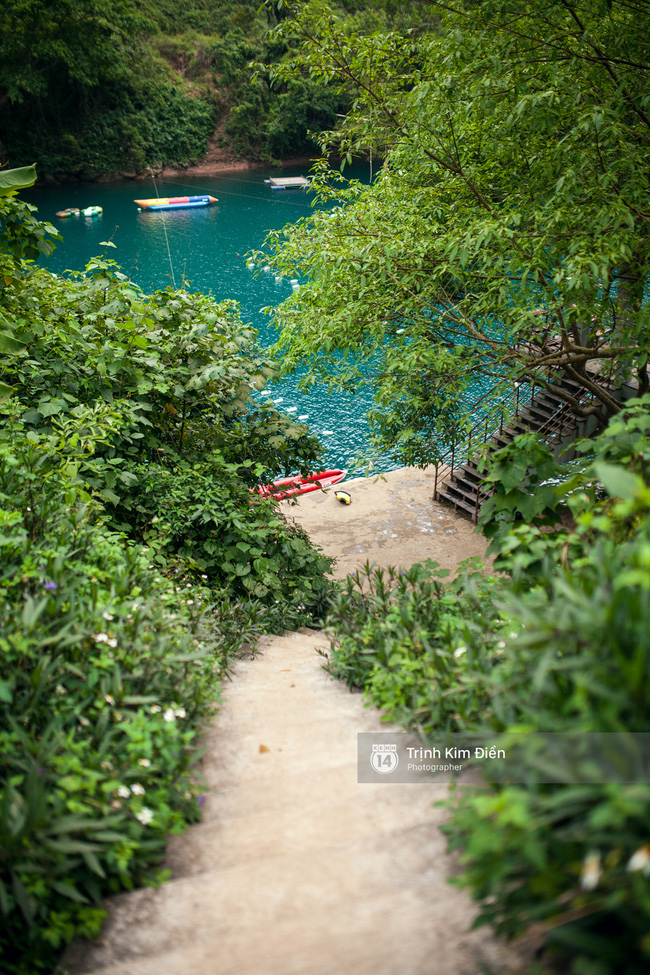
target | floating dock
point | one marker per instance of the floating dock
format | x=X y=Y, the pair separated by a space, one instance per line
x=175 y=202
x=288 y=182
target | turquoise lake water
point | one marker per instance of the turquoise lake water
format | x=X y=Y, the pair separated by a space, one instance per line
x=207 y=248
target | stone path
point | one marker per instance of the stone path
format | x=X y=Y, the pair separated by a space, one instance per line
x=296 y=869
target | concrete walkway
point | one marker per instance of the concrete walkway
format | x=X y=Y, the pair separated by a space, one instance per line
x=296 y=869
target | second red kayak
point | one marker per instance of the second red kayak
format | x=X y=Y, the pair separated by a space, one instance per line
x=286 y=487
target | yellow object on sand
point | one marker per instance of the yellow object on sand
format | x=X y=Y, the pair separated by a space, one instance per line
x=343 y=497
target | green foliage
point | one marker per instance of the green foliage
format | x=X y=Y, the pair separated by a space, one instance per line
x=135 y=561
x=82 y=92
x=558 y=644
x=119 y=85
x=106 y=672
x=419 y=648
x=125 y=85
x=505 y=232
x=12 y=180
x=148 y=402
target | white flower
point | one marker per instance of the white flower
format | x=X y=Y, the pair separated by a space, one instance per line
x=640 y=860
x=155 y=708
x=501 y=644
x=180 y=713
x=60 y=689
x=123 y=792
x=591 y=872
x=111 y=642
x=169 y=715
x=101 y=638
x=459 y=651
x=144 y=762
x=137 y=789
x=108 y=616
x=145 y=816
x=109 y=698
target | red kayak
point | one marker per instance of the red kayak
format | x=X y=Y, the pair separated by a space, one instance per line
x=285 y=487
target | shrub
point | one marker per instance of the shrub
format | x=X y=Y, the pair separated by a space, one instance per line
x=106 y=673
x=134 y=563
x=557 y=644
x=419 y=648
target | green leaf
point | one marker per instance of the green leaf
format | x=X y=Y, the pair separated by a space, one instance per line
x=10 y=345
x=67 y=890
x=12 y=180
x=617 y=481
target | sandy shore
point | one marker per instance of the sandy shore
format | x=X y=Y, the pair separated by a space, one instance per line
x=392 y=520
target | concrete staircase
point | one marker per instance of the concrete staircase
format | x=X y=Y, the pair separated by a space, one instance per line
x=543 y=412
x=297 y=869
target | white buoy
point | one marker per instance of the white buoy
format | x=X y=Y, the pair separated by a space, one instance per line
x=291 y=409
x=267 y=269
x=304 y=416
x=294 y=280
x=280 y=400
x=327 y=433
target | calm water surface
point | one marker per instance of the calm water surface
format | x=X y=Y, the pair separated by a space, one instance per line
x=207 y=247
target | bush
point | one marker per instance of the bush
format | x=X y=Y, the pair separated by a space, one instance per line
x=419 y=648
x=106 y=674
x=134 y=563
x=558 y=644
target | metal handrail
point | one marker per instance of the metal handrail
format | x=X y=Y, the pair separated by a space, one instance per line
x=556 y=423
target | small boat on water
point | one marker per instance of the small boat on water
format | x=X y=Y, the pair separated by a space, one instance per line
x=70 y=212
x=175 y=202
x=92 y=212
x=286 y=487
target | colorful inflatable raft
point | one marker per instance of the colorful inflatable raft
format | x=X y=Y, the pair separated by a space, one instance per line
x=176 y=202
x=69 y=212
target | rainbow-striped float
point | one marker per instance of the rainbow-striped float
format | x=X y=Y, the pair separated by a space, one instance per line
x=176 y=202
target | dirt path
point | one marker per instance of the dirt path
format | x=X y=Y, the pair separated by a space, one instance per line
x=296 y=868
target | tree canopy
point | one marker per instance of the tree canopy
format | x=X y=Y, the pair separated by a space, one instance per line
x=506 y=231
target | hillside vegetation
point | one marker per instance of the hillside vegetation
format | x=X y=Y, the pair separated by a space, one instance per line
x=118 y=86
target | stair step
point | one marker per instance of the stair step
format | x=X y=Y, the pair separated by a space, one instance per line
x=243 y=902
x=233 y=837
x=465 y=489
x=538 y=407
x=384 y=935
x=457 y=502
